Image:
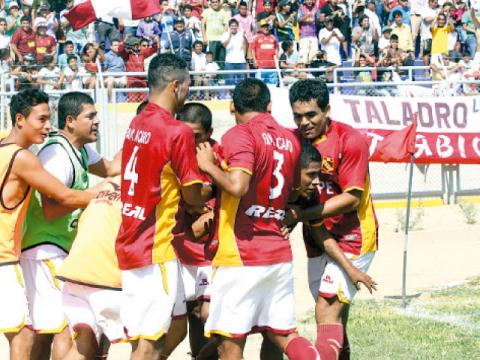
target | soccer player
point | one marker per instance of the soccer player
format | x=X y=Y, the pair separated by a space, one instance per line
x=20 y=171
x=192 y=246
x=49 y=227
x=158 y=167
x=252 y=289
x=345 y=207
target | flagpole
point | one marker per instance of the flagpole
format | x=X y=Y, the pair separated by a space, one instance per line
x=407 y=223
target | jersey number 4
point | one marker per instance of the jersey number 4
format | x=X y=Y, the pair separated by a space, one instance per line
x=276 y=190
x=130 y=172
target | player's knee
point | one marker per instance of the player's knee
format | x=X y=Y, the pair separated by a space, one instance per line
x=230 y=349
x=328 y=309
x=85 y=343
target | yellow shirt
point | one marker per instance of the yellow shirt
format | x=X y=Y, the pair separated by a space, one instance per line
x=215 y=22
x=92 y=259
x=11 y=215
x=404 y=37
x=440 y=39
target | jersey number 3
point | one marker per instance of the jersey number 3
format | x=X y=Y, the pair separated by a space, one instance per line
x=276 y=190
x=130 y=172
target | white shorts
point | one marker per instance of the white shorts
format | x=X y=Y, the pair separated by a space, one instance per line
x=249 y=299
x=94 y=308
x=44 y=294
x=149 y=295
x=13 y=301
x=437 y=59
x=327 y=279
x=196 y=281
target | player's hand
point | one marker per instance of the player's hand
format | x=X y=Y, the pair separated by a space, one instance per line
x=286 y=232
x=205 y=155
x=292 y=215
x=357 y=276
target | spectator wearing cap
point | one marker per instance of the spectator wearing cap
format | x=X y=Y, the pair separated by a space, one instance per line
x=403 y=32
x=308 y=18
x=267 y=13
x=69 y=50
x=45 y=44
x=113 y=63
x=214 y=24
x=235 y=45
x=148 y=29
x=48 y=17
x=404 y=9
x=384 y=41
x=264 y=51
x=180 y=41
x=286 y=20
x=331 y=38
x=4 y=38
x=13 y=18
x=23 y=40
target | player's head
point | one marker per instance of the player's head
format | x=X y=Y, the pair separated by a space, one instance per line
x=199 y=118
x=310 y=166
x=78 y=117
x=309 y=100
x=250 y=96
x=31 y=115
x=141 y=106
x=168 y=75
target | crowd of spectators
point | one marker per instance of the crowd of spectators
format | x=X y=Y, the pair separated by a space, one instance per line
x=39 y=47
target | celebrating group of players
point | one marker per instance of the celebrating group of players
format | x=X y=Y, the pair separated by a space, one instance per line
x=181 y=225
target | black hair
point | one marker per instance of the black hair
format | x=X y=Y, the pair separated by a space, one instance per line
x=115 y=40
x=47 y=59
x=286 y=45
x=24 y=18
x=196 y=43
x=232 y=21
x=242 y=3
x=187 y=6
x=68 y=42
x=394 y=37
x=310 y=89
x=70 y=57
x=397 y=12
x=209 y=53
x=196 y=113
x=165 y=68
x=141 y=106
x=308 y=155
x=251 y=95
x=3 y=19
x=363 y=17
x=24 y=101
x=71 y=104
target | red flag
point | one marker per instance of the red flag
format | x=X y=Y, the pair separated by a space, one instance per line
x=398 y=145
x=88 y=11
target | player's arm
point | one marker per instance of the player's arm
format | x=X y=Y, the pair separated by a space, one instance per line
x=323 y=239
x=28 y=168
x=105 y=168
x=236 y=182
x=202 y=225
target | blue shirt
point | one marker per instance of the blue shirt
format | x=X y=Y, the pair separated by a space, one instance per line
x=405 y=12
x=114 y=62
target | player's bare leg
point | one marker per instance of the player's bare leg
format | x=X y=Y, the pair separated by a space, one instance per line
x=144 y=349
x=328 y=315
x=345 y=352
x=62 y=342
x=174 y=336
x=41 y=346
x=20 y=344
x=231 y=349
x=84 y=347
x=209 y=350
x=269 y=351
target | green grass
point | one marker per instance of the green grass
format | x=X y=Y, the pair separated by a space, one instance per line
x=444 y=325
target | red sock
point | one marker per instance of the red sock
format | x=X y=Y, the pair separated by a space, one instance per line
x=300 y=348
x=345 y=352
x=329 y=340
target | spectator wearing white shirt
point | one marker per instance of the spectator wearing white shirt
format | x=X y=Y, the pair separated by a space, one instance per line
x=330 y=38
x=4 y=38
x=50 y=76
x=197 y=64
x=73 y=74
x=384 y=41
x=416 y=7
x=235 y=45
x=374 y=20
x=429 y=13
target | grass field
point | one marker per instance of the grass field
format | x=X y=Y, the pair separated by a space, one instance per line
x=442 y=324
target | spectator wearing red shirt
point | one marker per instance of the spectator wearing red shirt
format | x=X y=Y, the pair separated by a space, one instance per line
x=197 y=6
x=45 y=44
x=23 y=40
x=265 y=51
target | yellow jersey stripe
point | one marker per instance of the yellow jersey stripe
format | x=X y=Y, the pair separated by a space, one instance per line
x=242 y=169
x=366 y=218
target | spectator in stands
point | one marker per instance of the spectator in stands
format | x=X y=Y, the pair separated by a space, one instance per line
x=330 y=38
x=416 y=7
x=289 y=58
x=267 y=13
x=113 y=63
x=327 y=67
x=69 y=50
x=384 y=41
x=211 y=68
x=429 y=13
x=456 y=15
x=363 y=37
x=197 y=7
x=286 y=19
x=50 y=77
x=329 y=8
x=246 y=23
x=265 y=51
x=106 y=31
x=192 y=22
x=456 y=54
x=14 y=18
x=404 y=8
x=440 y=30
x=403 y=31
x=374 y=20
x=89 y=56
x=363 y=60
x=342 y=22
x=214 y=24
x=44 y=43
x=199 y=64
x=236 y=45
x=72 y=75
x=396 y=55
x=4 y=38
x=77 y=37
x=129 y=26
x=23 y=40
x=165 y=19
x=148 y=29
x=180 y=41
x=48 y=16
x=469 y=28
x=25 y=73
x=308 y=17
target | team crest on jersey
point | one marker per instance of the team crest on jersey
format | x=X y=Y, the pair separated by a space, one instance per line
x=328 y=165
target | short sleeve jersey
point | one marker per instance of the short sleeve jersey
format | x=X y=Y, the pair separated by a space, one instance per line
x=158 y=158
x=248 y=228
x=345 y=156
x=265 y=47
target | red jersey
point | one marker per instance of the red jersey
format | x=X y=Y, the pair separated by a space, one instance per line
x=158 y=157
x=265 y=48
x=44 y=45
x=345 y=156
x=248 y=228
x=25 y=41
